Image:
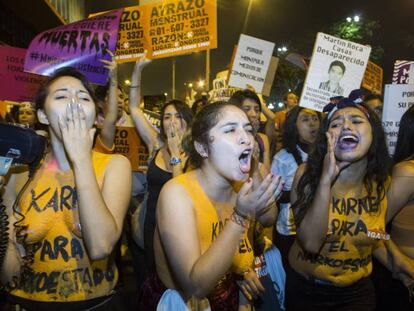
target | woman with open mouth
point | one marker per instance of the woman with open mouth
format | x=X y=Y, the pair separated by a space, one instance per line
x=202 y=222
x=339 y=203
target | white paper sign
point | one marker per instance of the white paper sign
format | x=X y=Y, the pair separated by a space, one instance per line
x=336 y=68
x=397 y=99
x=251 y=63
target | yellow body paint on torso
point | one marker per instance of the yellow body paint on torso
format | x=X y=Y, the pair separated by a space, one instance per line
x=211 y=221
x=346 y=256
x=62 y=270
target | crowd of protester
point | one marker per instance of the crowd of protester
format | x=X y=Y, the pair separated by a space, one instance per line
x=303 y=211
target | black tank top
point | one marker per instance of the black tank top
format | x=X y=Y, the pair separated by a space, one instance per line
x=156 y=178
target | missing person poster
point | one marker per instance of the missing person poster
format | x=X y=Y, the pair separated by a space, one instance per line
x=403 y=71
x=336 y=68
x=81 y=44
x=16 y=85
x=397 y=99
x=251 y=63
x=373 y=78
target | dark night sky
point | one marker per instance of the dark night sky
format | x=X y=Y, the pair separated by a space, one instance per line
x=281 y=21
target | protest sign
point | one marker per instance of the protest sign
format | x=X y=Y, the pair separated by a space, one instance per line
x=270 y=76
x=128 y=143
x=336 y=68
x=373 y=78
x=131 y=42
x=178 y=27
x=397 y=99
x=251 y=63
x=154 y=118
x=81 y=45
x=166 y=28
x=16 y=85
x=403 y=71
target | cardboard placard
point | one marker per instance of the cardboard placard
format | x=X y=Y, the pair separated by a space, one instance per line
x=81 y=45
x=16 y=85
x=251 y=63
x=373 y=78
x=128 y=143
x=270 y=76
x=166 y=28
x=336 y=68
x=403 y=71
x=397 y=99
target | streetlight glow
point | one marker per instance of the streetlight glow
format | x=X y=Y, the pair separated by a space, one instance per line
x=166 y=94
x=201 y=83
x=356 y=18
x=127 y=82
x=190 y=85
x=284 y=49
x=348 y=19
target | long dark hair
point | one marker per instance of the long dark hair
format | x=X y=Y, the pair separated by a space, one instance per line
x=290 y=136
x=377 y=171
x=405 y=142
x=204 y=121
x=184 y=111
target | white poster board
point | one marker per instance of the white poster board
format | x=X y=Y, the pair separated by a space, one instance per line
x=251 y=63
x=397 y=99
x=336 y=68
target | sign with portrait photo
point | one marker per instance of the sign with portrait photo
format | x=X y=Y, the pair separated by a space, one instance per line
x=336 y=68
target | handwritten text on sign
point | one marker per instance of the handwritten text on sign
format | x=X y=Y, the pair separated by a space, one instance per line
x=398 y=98
x=251 y=63
x=16 y=85
x=81 y=44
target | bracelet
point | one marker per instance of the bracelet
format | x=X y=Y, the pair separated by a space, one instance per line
x=240 y=220
x=240 y=214
x=133 y=86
